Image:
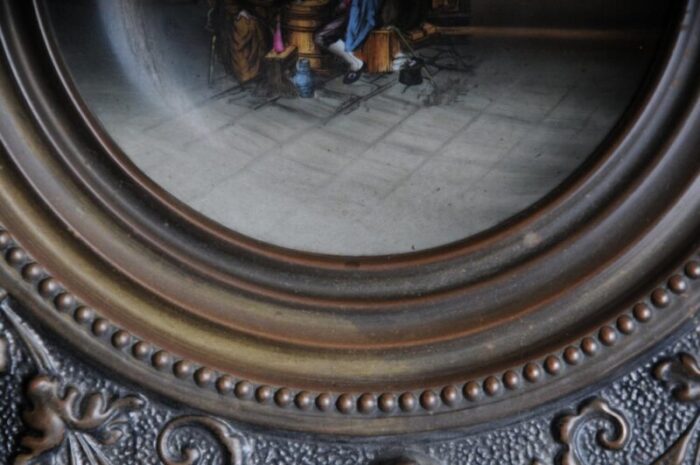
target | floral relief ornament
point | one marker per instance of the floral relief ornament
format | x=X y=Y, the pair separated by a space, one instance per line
x=613 y=435
x=682 y=375
x=61 y=418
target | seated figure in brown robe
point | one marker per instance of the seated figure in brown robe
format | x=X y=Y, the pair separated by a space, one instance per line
x=243 y=36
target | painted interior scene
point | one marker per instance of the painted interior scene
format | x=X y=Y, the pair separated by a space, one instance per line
x=360 y=127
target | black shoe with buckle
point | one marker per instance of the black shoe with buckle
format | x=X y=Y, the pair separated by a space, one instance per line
x=353 y=76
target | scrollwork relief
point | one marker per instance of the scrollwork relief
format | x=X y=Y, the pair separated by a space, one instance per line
x=68 y=422
x=682 y=376
x=62 y=417
x=235 y=447
x=612 y=434
x=53 y=416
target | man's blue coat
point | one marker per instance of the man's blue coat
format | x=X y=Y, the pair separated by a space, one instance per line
x=363 y=18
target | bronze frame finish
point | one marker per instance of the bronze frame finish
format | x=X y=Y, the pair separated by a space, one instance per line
x=550 y=303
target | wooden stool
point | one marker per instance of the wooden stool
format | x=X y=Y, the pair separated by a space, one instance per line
x=382 y=46
x=379 y=50
x=277 y=68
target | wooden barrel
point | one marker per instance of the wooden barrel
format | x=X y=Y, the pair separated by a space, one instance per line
x=301 y=20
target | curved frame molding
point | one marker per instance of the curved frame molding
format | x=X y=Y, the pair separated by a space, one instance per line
x=543 y=306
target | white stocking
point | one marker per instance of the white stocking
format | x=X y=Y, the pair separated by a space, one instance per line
x=338 y=49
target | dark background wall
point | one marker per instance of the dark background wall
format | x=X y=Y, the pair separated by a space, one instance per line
x=571 y=13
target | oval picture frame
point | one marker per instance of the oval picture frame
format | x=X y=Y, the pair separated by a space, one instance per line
x=546 y=305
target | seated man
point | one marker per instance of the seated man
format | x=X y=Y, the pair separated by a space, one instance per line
x=352 y=22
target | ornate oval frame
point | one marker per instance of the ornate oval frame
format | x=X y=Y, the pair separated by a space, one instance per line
x=547 y=304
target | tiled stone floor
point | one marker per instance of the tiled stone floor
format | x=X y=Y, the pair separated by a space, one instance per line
x=406 y=169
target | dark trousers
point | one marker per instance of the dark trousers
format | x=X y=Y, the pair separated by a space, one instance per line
x=334 y=30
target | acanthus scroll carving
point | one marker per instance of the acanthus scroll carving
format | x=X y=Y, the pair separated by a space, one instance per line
x=60 y=417
x=236 y=448
x=53 y=416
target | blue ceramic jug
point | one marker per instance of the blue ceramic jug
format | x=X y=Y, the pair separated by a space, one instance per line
x=303 y=80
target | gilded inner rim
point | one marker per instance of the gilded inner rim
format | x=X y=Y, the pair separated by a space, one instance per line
x=156 y=292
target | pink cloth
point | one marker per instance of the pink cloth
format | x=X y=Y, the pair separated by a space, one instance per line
x=277 y=40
